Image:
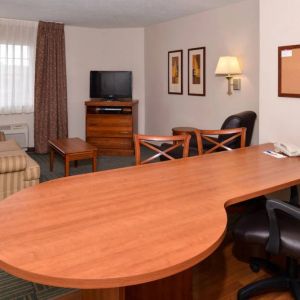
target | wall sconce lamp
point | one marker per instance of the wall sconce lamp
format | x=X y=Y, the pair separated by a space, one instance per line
x=228 y=66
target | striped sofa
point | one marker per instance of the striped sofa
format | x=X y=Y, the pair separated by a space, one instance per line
x=17 y=169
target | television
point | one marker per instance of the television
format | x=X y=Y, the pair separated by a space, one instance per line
x=111 y=85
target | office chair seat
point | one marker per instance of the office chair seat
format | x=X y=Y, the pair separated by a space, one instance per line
x=254 y=229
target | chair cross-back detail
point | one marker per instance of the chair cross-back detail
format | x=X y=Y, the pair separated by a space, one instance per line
x=221 y=142
x=178 y=141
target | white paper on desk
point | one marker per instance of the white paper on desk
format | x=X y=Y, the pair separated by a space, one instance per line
x=274 y=154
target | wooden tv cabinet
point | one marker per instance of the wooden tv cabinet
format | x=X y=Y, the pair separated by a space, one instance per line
x=110 y=126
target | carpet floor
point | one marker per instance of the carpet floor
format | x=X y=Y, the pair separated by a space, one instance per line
x=84 y=166
x=13 y=288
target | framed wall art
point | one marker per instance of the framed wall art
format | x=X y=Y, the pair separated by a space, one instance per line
x=175 y=82
x=289 y=71
x=196 y=71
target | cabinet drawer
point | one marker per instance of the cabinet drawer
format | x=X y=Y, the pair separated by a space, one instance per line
x=109 y=120
x=109 y=126
x=109 y=132
x=111 y=143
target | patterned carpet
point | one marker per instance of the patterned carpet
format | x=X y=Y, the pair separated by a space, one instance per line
x=12 y=288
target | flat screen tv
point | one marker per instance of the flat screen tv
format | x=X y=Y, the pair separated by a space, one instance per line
x=111 y=85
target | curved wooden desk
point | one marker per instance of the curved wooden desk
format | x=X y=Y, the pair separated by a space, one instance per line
x=132 y=225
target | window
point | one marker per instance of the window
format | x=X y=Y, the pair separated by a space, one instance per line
x=17 y=64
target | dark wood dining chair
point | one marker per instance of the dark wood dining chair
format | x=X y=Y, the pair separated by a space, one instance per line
x=225 y=140
x=145 y=140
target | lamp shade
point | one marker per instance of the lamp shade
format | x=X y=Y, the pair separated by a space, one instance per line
x=228 y=65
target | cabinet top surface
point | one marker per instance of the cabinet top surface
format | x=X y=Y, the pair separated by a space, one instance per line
x=99 y=102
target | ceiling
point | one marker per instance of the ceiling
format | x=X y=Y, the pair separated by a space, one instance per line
x=105 y=13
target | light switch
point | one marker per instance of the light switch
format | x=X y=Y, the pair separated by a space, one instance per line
x=236 y=84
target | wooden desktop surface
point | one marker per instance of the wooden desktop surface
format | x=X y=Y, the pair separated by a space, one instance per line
x=132 y=225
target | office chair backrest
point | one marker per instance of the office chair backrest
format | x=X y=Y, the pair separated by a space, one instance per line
x=178 y=141
x=243 y=119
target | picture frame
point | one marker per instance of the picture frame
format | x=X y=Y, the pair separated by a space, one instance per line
x=196 y=71
x=289 y=71
x=175 y=68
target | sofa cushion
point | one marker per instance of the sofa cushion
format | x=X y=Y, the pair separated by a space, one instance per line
x=11 y=183
x=17 y=169
x=32 y=170
x=12 y=161
x=9 y=145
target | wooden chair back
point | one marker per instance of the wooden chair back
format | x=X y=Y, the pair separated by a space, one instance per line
x=178 y=141
x=217 y=144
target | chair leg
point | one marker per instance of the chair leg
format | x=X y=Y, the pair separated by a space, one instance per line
x=295 y=288
x=262 y=286
x=292 y=268
x=257 y=263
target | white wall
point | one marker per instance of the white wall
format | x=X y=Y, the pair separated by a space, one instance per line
x=229 y=30
x=279 y=26
x=101 y=49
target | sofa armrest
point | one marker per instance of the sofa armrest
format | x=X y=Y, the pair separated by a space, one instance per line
x=12 y=163
x=2 y=136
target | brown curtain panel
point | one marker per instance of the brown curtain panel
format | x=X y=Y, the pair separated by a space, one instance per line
x=50 y=103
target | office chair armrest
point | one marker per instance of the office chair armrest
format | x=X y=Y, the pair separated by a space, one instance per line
x=273 y=244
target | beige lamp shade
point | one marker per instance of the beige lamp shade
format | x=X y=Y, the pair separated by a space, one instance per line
x=228 y=65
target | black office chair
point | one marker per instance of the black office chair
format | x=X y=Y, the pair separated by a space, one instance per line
x=277 y=228
x=243 y=119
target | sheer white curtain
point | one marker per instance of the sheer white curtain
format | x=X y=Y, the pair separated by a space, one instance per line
x=17 y=65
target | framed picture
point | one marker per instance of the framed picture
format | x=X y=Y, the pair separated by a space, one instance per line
x=175 y=72
x=289 y=71
x=196 y=71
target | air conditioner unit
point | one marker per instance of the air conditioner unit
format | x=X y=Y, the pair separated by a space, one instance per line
x=17 y=132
